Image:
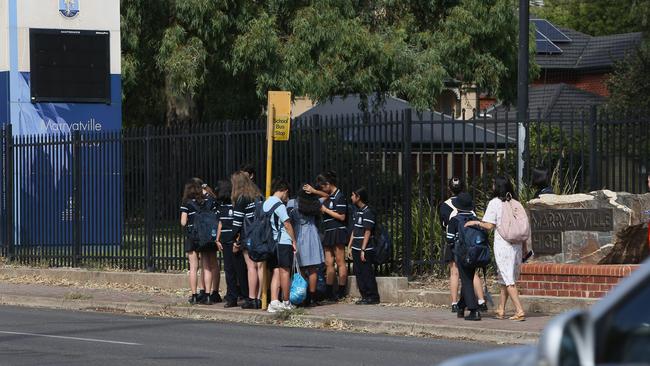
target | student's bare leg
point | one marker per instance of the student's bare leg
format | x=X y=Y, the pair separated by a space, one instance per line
x=341 y=266
x=216 y=272
x=275 y=285
x=194 y=266
x=253 y=281
x=285 y=282
x=478 y=288
x=454 y=278
x=330 y=272
x=206 y=272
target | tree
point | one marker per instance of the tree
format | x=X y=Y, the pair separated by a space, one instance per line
x=629 y=85
x=597 y=17
x=208 y=59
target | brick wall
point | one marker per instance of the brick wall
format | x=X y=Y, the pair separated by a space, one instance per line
x=571 y=280
x=593 y=83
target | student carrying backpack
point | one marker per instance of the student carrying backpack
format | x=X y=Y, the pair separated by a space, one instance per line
x=471 y=251
x=262 y=242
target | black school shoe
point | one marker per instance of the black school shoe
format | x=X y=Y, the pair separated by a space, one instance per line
x=367 y=302
x=454 y=308
x=249 y=304
x=201 y=296
x=206 y=300
x=474 y=315
x=193 y=300
x=483 y=307
x=215 y=297
x=460 y=313
x=230 y=304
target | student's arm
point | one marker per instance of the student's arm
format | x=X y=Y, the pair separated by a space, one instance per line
x=292 y=235
x=183 y=219
x=219 y=237
x=480 y=224
x=366 y=239
x=334 y=214
x=350 y=246
x=311 y=190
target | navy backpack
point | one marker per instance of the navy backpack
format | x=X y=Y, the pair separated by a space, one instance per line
x=472 y=246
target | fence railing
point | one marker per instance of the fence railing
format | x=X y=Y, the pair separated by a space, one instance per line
x=112 y=198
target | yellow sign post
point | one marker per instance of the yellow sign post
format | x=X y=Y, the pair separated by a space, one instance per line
x=278 y=126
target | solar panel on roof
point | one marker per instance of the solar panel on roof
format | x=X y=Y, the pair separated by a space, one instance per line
x=547 y=47
x=550 y=31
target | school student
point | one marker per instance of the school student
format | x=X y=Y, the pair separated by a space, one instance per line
x=282 y=260
x=336 y=232
x=465 y=206
x=361 y=247
x=233 y=258
x=304 y=216
x=447 y=212
x=244 y=195
x=508 y=256
x=541 y=181
x=193 y=200
x=210 y=290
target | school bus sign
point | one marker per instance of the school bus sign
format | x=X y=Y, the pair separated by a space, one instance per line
x=280 y=114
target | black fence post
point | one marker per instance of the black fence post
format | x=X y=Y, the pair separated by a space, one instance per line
x=8 y=177
x=227 y=147
x=148 y=217
x=76 y=198
x=594 y=179
x=407 y=178
x=316 y=146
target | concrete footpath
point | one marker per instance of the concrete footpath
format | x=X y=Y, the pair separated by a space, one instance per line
x=394 y=319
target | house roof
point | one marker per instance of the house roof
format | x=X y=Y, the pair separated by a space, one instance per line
x=383 y=125
x=585 y=52
x=552 y=102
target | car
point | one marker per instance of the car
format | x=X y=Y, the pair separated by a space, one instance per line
x=615 y=331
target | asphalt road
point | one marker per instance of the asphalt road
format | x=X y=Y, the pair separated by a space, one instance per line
x=52 y=337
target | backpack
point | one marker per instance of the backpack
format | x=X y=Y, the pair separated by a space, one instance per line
x=383 y=245
x=204 y=224
x=261 y=243
x=514 y=226
x=247 y=223
x=472 y=246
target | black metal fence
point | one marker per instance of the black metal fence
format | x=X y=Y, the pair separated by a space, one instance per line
x=111 y=199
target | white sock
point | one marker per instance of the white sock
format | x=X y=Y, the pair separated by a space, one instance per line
x=481 y=302
x=454 y=303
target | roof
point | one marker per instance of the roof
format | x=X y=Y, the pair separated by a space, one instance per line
x=384 y=126
x=585 y=52
x=351 y=105
x=552 y=101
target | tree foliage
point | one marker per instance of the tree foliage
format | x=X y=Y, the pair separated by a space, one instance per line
x=206 y=59
x=629 y=85
x=597 y=17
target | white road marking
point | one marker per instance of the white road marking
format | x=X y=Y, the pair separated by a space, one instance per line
x=71 y=338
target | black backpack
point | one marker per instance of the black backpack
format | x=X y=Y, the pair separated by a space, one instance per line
x=247 y=223
x=383 y=245
x=204 y=224
x=261 y=243
x=472 y=246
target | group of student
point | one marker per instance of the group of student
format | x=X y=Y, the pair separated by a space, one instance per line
x=312 y=229
x=458 y=213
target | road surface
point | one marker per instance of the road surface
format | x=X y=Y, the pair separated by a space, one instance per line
x=52 y=337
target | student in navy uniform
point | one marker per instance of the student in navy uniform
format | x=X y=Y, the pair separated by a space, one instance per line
x=447 y=211
x=249 y=170
x=334 y=210
x=282 y=260
x=465 y=206
x=193 y=197
x=541 y=182
x=233 y=257
x=211 y=291
x=361 y=247
x=244 y=195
